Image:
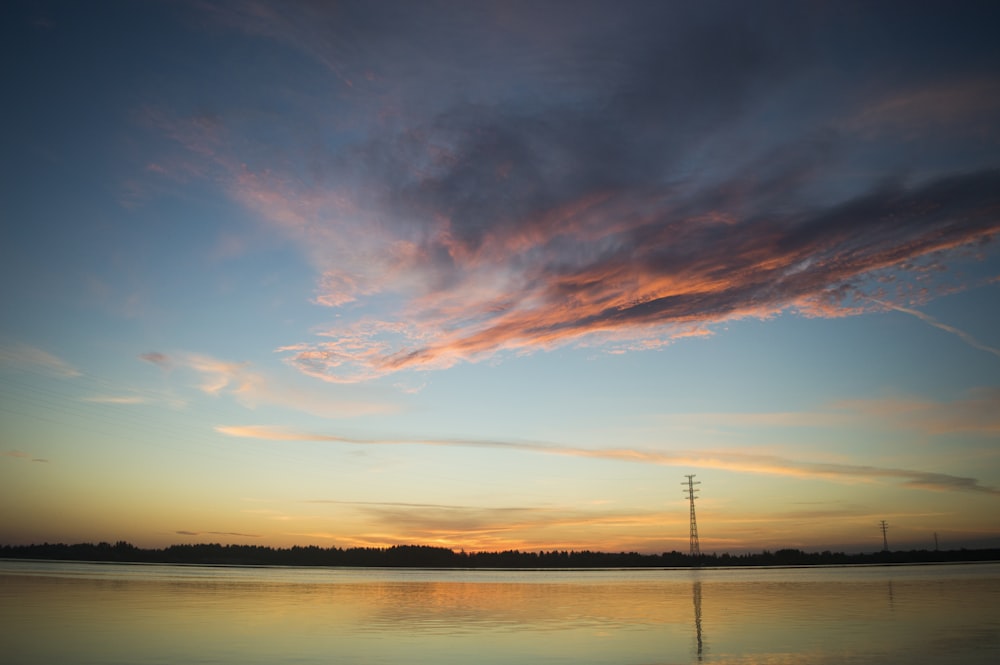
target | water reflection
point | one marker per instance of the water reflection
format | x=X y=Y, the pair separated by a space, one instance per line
x=120 y=614
x=696 y=595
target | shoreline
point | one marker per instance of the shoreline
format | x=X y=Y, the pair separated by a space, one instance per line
x=428 y=557
x=832 y=566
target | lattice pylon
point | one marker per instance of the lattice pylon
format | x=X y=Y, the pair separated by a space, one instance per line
x=691 y=491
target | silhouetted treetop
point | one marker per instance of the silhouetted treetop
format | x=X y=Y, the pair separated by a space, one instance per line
x=426 y=556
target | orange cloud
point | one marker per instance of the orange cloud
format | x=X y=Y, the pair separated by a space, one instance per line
x=217 y=533
x=726 y=460
x=498 y=527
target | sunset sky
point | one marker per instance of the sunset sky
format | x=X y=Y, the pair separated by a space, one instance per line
x=498 y=275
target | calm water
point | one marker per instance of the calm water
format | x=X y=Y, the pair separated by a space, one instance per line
x=56 y=613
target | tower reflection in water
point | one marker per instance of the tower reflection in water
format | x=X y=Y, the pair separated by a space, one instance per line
x=696 y=596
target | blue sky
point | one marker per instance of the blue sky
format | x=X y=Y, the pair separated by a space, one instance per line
x=498 y=276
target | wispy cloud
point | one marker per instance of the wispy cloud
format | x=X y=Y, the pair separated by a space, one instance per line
x=17 y=454
x=253 y=388
x=495 y=527
x=220 y=375
x=471 y=523
x=531 y=189
x=930 y=320
x=968 y=106
x=716 y=420
x=664 y=279
x=115 y=399
x=604 y=527
x=31 y=358
x=978 y=411
x=218 y=533
x=727 y=460
x=161 y=360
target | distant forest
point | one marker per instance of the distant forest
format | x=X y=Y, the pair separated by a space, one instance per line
x=423 y=556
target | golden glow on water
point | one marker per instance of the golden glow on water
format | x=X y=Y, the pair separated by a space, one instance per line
x=78 y=613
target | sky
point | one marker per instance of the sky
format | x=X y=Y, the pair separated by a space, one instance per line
x=500 y=275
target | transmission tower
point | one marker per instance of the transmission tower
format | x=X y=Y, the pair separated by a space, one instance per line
x=885 y=540
x=691 y=491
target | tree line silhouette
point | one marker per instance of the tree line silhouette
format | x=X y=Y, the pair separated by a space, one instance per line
x=426 y=556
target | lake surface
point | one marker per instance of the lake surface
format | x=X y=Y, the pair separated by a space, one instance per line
x=59 y=613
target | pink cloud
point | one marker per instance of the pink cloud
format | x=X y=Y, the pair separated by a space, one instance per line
x=447 y=230
x=726 y=460
x=607 y=268
x=252 y=388
x=17 y=454
x=978 y=412
x=25 y=356
x=969 y=106
x=680 y=280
